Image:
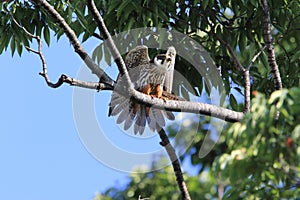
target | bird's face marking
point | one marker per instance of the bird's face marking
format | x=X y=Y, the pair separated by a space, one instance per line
x=163 y=62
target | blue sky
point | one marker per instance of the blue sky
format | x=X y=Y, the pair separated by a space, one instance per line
x=42 y=156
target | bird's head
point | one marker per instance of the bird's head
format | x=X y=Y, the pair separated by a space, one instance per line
x=165 y=61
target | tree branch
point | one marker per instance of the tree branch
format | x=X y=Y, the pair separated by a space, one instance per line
x=110 y=43
x=63 y=78
x=104 y=78
x=175 y=163
x=78 y=83
x=187 y=106
x=270 y=48
x=244 y=71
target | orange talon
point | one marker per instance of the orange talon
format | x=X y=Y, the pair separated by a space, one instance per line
x=158 y=90
x=146 y=89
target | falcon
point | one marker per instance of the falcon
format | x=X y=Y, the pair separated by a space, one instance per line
x=147 y=77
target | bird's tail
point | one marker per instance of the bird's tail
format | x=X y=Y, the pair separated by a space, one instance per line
x=131 y=113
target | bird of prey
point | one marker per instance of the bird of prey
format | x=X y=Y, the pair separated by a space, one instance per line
x=147 y=77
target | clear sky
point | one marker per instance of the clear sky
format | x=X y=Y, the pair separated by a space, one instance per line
x=42 y=156
x=50 y=147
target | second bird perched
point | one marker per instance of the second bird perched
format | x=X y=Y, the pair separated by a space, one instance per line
x=147 y=77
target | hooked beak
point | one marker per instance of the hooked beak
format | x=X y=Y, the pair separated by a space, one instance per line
x=168 y=58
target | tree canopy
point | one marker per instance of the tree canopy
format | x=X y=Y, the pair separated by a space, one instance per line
x=255 y=46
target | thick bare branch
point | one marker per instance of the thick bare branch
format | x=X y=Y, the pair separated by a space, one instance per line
x=270 y=48
x=165 y=142
x=75 y=42
x=187 y=106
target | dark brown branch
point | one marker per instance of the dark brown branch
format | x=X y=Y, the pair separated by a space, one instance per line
x=75 y=42
x=270 y=48
x=110 y=43
x=246 y=75
x=175 y=163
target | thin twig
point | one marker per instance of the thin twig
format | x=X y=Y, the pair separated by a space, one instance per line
x=246 y=74
x=165 y=142
x=256 y=56
x=63 y=78
x=270 y=48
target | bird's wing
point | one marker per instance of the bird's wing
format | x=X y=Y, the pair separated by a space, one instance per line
x=136 y=60
x=168 y=84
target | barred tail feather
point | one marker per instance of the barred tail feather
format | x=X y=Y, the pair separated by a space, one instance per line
x=151 y=120
x=169 y=115
x=129 y=121
x=159 y=117
x=123 y=108
x=140 y=123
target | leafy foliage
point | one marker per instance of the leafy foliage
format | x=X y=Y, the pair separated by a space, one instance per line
x=162 y=185
x=262 y=158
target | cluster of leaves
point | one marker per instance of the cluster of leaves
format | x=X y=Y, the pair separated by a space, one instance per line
x=161 y=185
x=258 y=158
x=260 y=154
x=263 y=154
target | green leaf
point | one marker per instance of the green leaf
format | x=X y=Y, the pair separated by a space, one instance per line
x=275 y=96
x=19 y=48
x=47 y=35
x=205 y=4
x=233 y=102
x=296 y=57
x=86 y=35
x=107 y=56
x=98 y=53
x=113 y=6
x=242 y=42
x=12 y=45
x=82 y=19
x=121 y=10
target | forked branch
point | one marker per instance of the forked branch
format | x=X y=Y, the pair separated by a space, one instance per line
x=104 y=78
x=63 y=78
